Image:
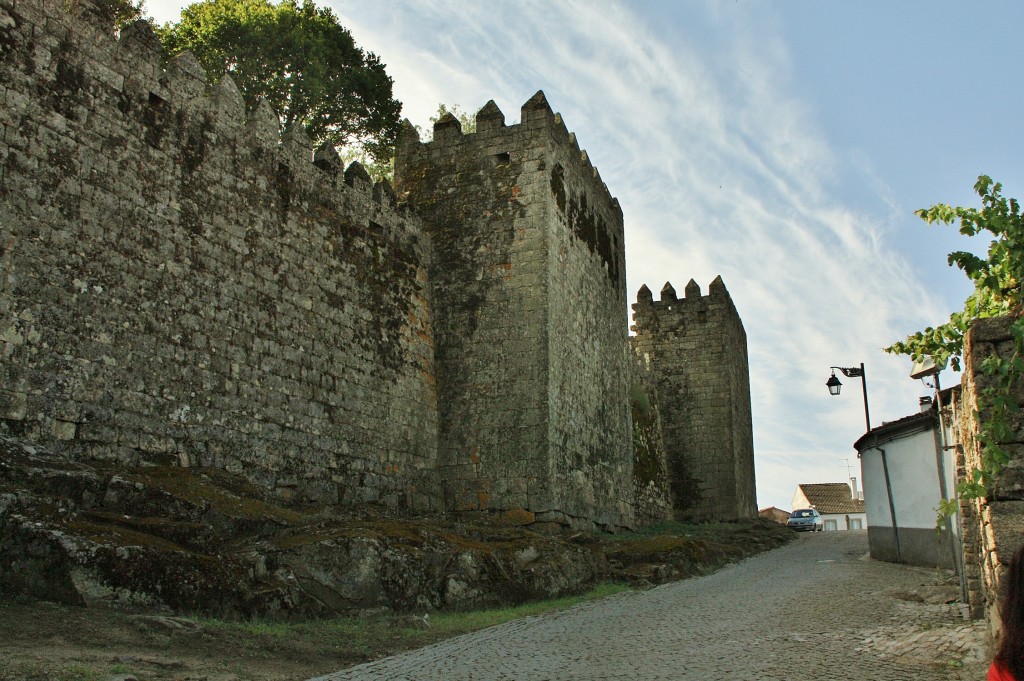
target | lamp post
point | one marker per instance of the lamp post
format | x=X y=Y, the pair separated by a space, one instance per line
x=835 y=385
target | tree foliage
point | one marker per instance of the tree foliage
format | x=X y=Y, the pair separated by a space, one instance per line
x=466 y=122
x=386 y=170
x=124 y=12
x=301 y=60
x=119 y=13
x=997 y=292
x=997 y=278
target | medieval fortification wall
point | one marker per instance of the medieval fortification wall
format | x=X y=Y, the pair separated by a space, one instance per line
x=180 y=283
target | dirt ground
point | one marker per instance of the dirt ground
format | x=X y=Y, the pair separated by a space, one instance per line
x=42 y=641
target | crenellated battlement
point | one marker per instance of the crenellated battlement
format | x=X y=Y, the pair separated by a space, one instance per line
x=692 y=293
x=158 y=94
x=539 y=124
x=692 y=304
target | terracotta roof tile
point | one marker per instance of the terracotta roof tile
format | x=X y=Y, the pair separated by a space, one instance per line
x=832 y=497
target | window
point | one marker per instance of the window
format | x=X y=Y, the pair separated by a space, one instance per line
x=830 y=526
x=856 y=524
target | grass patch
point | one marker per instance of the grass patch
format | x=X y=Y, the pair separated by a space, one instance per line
x=460 y=623
x=708 y=531
x=369 y=637
x=39 y=671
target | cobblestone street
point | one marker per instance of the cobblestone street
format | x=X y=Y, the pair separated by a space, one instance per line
x=817 y=609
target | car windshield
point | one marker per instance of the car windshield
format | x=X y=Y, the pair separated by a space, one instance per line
x=805 y=513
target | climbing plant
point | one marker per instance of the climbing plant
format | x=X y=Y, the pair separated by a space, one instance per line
x=997 y=292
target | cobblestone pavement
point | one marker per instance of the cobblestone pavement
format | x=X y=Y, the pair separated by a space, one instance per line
x=817 y=609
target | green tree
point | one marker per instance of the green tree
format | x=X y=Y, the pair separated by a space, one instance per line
x=385 y=170
x=997 y=292
x=124 y=12
x=301 y=60
x=119 y=13
x=467 y=122
x=377 y=170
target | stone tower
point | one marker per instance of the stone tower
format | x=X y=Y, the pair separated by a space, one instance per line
x=698 y=350
x=528 y=299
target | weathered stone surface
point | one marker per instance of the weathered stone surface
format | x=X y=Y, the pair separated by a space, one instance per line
x=528 y=292
x=203 y=541
x=179 y=288
x=184 y=287
x=697 y=350
x=193 y=540
x=650 y=465
x=993 y=527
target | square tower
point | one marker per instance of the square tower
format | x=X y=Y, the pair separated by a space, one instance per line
x=698 y=350
x=528 y=299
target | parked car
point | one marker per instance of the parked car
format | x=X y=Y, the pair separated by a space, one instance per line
x=805 y=519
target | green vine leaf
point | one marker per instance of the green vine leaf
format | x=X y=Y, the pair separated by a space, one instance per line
x=997 y=292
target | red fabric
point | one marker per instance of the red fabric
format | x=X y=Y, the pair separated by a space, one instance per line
x=998 y=672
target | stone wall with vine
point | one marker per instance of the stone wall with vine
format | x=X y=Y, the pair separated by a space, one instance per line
x=993 y=525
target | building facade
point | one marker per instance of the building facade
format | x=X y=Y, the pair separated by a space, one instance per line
x=907 y=473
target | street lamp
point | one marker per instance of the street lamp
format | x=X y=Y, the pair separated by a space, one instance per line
x=835 y=385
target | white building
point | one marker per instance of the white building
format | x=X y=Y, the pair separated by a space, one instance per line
x=906 y=473
x=837 y=503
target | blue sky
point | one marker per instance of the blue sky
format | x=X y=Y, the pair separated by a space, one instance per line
x=783 y=145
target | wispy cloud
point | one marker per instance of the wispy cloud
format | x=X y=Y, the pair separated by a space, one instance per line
x=720 y=167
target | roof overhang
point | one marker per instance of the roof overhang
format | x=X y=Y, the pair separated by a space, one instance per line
x=887 y=432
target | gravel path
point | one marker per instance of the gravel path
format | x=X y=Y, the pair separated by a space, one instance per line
x=815 y=609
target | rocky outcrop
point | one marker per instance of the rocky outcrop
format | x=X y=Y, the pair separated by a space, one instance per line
x=192 y=540
x=201 y=540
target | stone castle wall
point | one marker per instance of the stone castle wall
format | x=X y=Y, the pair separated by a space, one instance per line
x=529 y=291
x=992 y=528
x=698 y=349
x=180 y=284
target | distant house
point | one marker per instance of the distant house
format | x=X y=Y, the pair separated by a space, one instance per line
x=907 y=472
x=773 y=513
x=835 y=502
